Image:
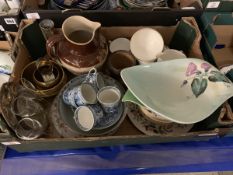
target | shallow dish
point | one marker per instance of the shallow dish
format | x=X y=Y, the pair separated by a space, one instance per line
x=184 y=91
x=150 y=128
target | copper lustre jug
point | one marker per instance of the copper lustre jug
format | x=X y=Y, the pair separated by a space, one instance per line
x=80 y=47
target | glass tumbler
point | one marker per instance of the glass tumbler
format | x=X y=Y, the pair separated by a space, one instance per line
x=32 y=120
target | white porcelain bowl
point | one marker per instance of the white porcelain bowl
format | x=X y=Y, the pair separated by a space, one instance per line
x=146 y=44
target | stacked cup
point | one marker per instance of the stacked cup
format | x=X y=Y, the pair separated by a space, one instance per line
x=92 y=100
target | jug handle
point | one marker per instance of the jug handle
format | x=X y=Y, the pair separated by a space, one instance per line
x=51 y=46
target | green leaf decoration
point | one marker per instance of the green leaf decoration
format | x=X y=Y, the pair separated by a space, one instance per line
x=218 y=77
x=198 y=86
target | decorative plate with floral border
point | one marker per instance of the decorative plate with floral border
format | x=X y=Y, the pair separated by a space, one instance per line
x=149 y=128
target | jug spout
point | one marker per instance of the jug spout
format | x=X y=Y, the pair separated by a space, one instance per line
x=79 y=30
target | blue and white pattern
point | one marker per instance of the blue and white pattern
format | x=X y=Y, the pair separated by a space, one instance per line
x=97 y=111
x=108 y=119
x=95 y=79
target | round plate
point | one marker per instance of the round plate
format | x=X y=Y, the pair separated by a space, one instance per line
x=149 y=128
x=66 y=112
x=119 y=44
x=62 y=128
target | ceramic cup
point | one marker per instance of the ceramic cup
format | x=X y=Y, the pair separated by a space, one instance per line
x=118 y=44
x=109 y=98
x=170 y=54
x=120 y=60
x=95 y=79
x=86 y=117
x=146 y=44
x=82 y=95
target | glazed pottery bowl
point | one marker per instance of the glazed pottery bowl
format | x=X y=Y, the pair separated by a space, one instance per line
x=155 y=128
x=184 y=91
x=27 y=80
x=151 y=116
x=146 y=44
x=119 y=60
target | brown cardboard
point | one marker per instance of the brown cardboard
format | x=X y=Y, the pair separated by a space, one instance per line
x=126 y=134
x=5 y=45
x=224 y=56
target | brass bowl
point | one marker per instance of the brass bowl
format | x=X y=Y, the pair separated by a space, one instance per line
x=37 y=78
x=27 y=80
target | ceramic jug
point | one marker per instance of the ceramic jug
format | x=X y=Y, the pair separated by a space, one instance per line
x=80 y=46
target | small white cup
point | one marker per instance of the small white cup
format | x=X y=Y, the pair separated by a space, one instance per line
x=81 y=95
x=86 y=117
x=109 y=98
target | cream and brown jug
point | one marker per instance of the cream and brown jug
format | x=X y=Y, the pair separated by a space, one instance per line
x=80 y=47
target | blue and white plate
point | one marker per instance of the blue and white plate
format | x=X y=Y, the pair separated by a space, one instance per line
x=109 y=120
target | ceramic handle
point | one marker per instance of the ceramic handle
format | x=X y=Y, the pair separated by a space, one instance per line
x=51 y=45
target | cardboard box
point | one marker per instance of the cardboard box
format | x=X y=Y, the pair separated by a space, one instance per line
x=162 y=16
x=218 y=5
x=127 y=133
x=218 y=36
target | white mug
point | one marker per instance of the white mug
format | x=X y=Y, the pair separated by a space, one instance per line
x=86 y=117
x=81 y=95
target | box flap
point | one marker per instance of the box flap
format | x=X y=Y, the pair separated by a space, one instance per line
x=223 y=19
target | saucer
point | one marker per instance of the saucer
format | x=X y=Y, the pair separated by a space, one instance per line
x=107 y=123
x=119 y=44
x=150 y=128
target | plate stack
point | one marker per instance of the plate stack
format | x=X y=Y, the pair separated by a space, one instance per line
x=80 y=4
x=143 y=4
x=62 y=115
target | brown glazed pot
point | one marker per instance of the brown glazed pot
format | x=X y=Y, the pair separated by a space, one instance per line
x=84 y=49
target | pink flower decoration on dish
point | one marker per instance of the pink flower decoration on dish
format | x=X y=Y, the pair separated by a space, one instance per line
x=191 y=69
x=205 y=66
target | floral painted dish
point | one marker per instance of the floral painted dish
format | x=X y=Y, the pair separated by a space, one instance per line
x=150 y=128
x=184 y=91
x=109 y=122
